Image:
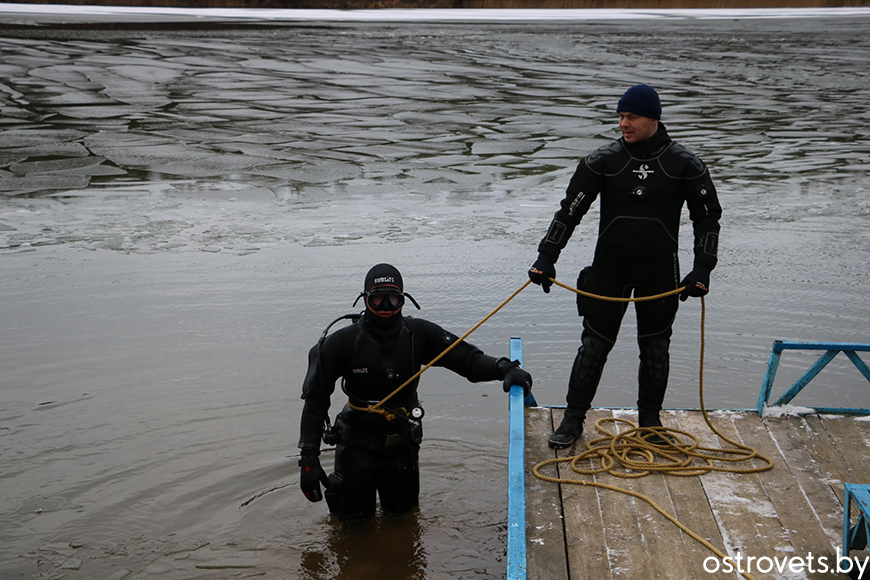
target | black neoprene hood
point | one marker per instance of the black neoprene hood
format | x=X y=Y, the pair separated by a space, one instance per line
x=383 y=275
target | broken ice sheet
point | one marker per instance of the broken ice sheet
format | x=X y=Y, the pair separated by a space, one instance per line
x=76 y=165
x=41 y=183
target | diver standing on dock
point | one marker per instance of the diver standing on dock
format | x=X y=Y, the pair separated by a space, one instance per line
x=377 y=445
x=643 y=178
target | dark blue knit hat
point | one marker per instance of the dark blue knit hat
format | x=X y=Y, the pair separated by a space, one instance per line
x=641 y=100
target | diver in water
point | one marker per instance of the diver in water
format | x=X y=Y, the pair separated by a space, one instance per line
x=643 y=178
x=377 y=454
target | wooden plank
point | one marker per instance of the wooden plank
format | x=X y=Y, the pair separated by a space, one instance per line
x=824 y=451
x=692 y=509
x=746 y=517
x=792 y=511
x=862 y=424
x=664 y=542
x=812 y=480
x=798 y=519
x=849 y=441
x=622 y=532
x=847 y=436
x=584 y=526
x=545 y=531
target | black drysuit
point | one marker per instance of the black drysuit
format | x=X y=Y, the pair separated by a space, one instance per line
x=643 y=187
x=373 y=454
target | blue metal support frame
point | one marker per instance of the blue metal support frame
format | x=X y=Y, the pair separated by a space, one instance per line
x=855 y=537
x=516 y=540
x=831 y=350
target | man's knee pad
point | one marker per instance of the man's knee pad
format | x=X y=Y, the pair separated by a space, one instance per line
x=592 y=353
x=655 y=360
x=653 y=374
x=586 y=372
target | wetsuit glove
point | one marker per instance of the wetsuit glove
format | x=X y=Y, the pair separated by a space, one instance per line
x=311 y=477
x=514 y=375
x=697 y=284
x=541 y=272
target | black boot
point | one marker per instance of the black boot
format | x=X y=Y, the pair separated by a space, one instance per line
x=648 y=418
x=569 y=431
x=652 y=419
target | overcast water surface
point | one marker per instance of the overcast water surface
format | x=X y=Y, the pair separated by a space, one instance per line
x=182 y=212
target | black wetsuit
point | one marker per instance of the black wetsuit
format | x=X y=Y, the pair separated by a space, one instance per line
x=375 y=455
x=643 y=187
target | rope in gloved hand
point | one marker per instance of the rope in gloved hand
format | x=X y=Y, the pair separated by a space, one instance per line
x=389 y=415
x=676 y=455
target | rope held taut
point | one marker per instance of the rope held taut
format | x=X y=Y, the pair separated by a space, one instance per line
x=631 y=449
x=376 y=408
x=615 y=299
x=626 y=448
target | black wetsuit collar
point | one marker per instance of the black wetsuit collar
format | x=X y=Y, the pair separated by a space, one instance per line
x=649 y=148
x=382 y=329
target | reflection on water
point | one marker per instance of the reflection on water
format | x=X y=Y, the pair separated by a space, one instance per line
x=182 y=212
x=382 y=547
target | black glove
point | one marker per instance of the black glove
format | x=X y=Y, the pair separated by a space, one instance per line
x=514 y=375
x=311 y=477
x=541 y=272
x=697 y=284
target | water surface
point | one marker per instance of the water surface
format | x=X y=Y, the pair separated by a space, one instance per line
x=183 y=211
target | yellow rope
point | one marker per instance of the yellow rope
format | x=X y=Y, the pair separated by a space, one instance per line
x=614 y=299
x=376 y=408
x=674 y=456
x=631 y=448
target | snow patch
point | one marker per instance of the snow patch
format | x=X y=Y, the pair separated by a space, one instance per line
x=786 y=411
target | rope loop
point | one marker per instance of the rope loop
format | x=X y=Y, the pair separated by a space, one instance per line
x=388 y=415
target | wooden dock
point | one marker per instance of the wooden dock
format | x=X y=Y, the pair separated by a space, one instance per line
x=794 y=511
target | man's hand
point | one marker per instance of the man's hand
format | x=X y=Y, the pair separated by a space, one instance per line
x=541 y=272
x=697 y=284
x=514 y=375
x=311 y=477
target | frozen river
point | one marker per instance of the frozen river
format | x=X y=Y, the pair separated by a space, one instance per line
x=183 y=210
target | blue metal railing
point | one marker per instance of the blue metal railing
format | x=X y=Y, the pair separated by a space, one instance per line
x=516 y=541
x=855 y=537
x=831 y=350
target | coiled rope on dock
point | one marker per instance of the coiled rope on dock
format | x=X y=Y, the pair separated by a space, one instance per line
x=674 y=453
